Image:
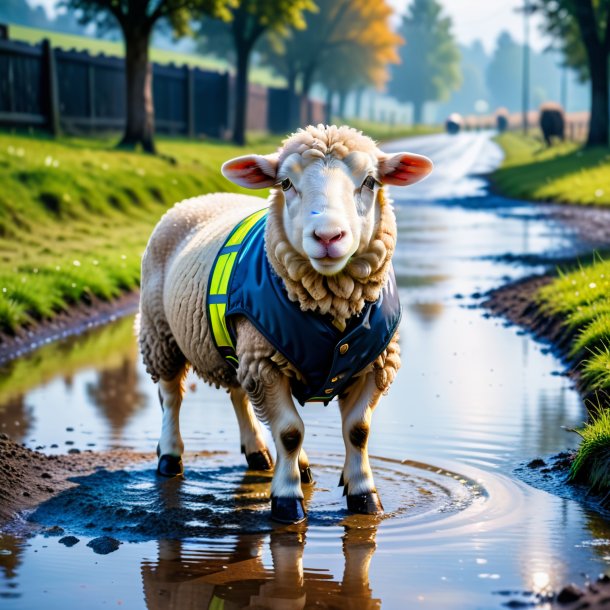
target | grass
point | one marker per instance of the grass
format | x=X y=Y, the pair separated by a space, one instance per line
x=581 y=298
x=563 y=173
x=259 y=75
x=593 y=458
x=75 y=215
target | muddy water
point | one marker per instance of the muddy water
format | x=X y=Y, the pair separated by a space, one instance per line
x=473 y=403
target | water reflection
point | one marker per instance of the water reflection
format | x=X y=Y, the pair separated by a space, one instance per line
x=187 y=576
x=115 y=392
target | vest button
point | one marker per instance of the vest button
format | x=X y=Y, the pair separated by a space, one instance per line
x=343 y=349
x=335 y=379
x=328 y=391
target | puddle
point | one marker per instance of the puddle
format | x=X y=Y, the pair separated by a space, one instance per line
x=473 y=401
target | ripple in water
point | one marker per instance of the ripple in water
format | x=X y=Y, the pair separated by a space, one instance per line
x=219 y=498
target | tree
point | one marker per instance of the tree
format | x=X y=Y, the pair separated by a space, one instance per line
x=430 y=59
x=504 y=72
x=584 y=25
x=250 y=20
x=137 y=19
x=340 y=34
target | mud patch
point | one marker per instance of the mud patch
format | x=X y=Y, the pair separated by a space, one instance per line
x=138 y=505
x=551 y=474
x=28 y=477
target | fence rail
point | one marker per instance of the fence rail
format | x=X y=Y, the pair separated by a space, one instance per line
x=75 y=92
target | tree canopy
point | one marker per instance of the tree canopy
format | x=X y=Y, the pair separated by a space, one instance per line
x=250 y=19
x=430 y=59
x=346 y=44
x=582 y=28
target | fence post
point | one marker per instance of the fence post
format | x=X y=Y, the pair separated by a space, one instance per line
x=91 y=94
x=190 y=102
x=52 y=93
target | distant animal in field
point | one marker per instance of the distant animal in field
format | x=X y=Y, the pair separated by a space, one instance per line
x=290 y=297
x=552 y=122
x=502 y=120
x=454 y=123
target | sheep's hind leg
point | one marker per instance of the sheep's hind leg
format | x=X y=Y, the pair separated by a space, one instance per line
x=252 y=444
x=171 y=446
x=356 y=410
x=270 y=392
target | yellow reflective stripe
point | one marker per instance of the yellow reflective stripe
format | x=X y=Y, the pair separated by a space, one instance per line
x=226 y=273
x=218 y=270
x=244 y=228
x=219 y=325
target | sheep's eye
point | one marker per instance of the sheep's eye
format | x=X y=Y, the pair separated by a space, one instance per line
x=369 y=182
x=285 y=184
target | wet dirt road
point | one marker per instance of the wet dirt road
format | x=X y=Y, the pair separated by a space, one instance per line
x=473 y=403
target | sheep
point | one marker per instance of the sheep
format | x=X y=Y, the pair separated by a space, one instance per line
x=325 y=240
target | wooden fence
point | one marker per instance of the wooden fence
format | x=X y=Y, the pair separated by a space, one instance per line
x=576 y=123
x=75 y=92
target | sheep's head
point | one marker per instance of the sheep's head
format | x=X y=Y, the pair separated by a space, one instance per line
x=329 y=179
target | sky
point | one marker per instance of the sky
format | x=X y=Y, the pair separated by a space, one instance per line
x=472 y=19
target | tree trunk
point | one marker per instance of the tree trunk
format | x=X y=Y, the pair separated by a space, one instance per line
x=342 y=102
x=241 y=94
x=599 y=127
x=329 y=106
x=597 y=57
x=306 y=83
x=293 y=100
x=418 y=111
x=140 y=126
x=358 y=103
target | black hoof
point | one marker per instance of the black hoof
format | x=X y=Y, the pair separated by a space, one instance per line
x=306 y=476
x=287 y=510
x=364 y=504
x=260 y=460
x=170 y=466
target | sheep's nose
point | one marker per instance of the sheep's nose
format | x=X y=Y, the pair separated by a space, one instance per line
x=328 y=236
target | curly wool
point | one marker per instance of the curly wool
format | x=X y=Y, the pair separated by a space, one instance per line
x=327 y=140
x=345 y=294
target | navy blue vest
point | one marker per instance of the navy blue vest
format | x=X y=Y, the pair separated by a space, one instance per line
x=326 y=357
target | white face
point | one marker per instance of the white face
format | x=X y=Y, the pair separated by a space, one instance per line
x=331 y=204
x=329 y=211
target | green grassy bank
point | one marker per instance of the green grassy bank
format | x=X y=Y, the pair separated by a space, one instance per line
x=581 y=300
x=563 y=173
x=578 y=300
x=75 y=215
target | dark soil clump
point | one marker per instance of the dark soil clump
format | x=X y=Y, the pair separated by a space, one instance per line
x=28 y=478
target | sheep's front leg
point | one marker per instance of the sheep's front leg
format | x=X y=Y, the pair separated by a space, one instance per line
x=171 y=446
x=356 y=409
x=269 y=392
x=250 y=433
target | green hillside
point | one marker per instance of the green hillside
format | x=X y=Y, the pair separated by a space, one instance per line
x=261 y=76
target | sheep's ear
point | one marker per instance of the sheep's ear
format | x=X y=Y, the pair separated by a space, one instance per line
x=252 y=171
x=403 y=169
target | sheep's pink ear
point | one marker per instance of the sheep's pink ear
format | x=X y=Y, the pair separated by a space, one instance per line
x=252 y=171
x=403 y=169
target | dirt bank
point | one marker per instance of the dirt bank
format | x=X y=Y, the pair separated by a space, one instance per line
x=28 y=477
x=78 y=319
